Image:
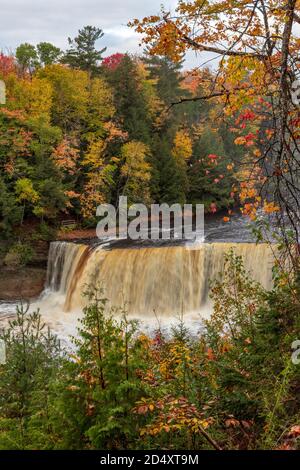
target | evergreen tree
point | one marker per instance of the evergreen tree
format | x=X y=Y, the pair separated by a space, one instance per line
x=132 y=110
x=10 y=211
x=168 y=77
x=169 y=183
x=82 y=52
x=32 y=360
x=101 y=386
x=166 y=177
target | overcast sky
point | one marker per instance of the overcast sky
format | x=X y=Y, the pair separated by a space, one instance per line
x=54 y=20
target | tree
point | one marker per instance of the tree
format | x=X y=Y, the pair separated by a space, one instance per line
x=167 y=74
x=90 y=131
x=48 y=53
x=101 y=385
x=210 y=171
x=27 y=57
x=32 y=360
x=7 y=65
x=47 y=176
x=27 y=167
x=258 y=67
x=33 y=97
x=26 y=193
x=181 y=152
x=136 y=172
x=82 y=52
x=113 y=61
x=132 y=108
x=70 y=94
x=165 y=185
x=169 y=182
x=99 y=178
x=11 y=213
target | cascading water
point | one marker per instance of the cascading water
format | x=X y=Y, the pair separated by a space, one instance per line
x=63 y=260
x=162 y=280
x=155 y=283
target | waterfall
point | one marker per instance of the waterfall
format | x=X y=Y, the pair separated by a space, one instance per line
x=63 y=261
x=162 y=280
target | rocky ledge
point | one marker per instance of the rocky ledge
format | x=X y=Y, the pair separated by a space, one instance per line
x=25 y=283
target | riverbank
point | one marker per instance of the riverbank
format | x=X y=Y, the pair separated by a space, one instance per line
x=18 y=282
x=25 y=283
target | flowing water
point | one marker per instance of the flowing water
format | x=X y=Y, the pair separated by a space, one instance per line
x=155 y=282
x=168 y=280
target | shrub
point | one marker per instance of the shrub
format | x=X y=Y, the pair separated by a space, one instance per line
x=45 y=232
x=19 y=255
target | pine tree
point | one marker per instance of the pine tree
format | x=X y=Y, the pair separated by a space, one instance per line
x=82 y=52
x=168 y=76
x=101 y=385
x=169 y=182
x=132 y=110
x=32 y=359
x=166 y=176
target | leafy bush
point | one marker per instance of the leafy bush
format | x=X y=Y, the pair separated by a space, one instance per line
x=45 y=232
x=20 y=254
